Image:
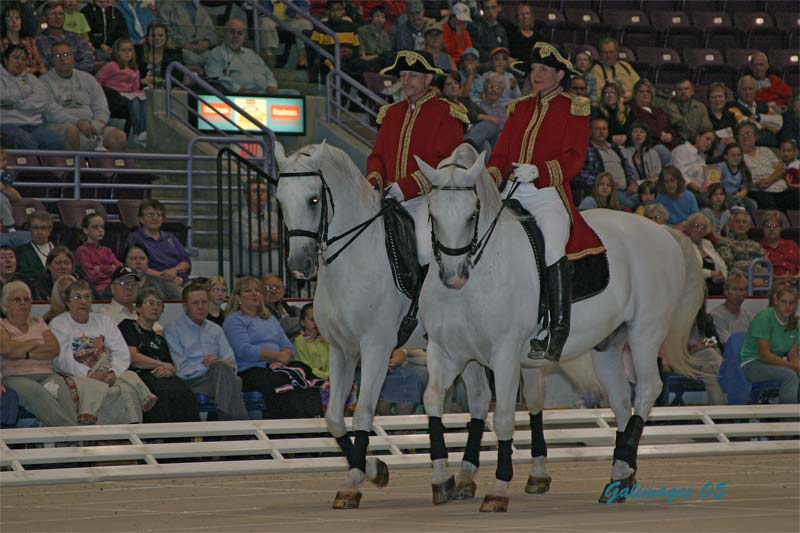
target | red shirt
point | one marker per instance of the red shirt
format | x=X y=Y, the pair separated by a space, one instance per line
x=431 y=129
x=778 y=91
x=455 y=44
x=784 y=256
x=551 y=132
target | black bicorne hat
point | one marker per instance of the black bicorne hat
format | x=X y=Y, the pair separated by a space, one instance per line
x=548 y=54
x=415 y=61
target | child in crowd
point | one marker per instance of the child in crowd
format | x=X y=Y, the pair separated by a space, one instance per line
x=646 y=192
x=98 y=262
x=672 y=194
x=500 y=65
x=717 y=210
x=602 y=194
x=126 y=99
x=75 y=21
x=736 y=178
x=788 y=152
x=584 y=64
x=217 y=297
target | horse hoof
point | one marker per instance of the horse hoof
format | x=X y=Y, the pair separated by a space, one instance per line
x=494 y=504
x=347 y=500
x=382 y=474
x=618 y=486
x=538 y=485
x=465 y=490
x=443 y=492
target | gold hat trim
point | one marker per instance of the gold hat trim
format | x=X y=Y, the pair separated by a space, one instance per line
x=412 y=57
x=547 y=49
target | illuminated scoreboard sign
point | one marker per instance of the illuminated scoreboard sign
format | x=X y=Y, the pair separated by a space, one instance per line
x=285 y=115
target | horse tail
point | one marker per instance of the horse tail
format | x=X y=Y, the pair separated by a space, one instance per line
x=675 y=348
x=580 y=371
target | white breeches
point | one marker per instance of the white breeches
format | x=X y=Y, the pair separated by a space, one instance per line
x=552 y=217
x=418 y=209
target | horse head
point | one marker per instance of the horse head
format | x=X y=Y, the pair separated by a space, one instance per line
x=304 y=202
x=454 y=210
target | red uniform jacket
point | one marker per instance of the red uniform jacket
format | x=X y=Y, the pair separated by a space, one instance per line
x=551 y=132
x=431 y=129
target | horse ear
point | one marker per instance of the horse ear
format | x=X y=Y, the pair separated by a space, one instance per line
x=475 y=170
x=316 y=154
x=280 y=154
x=431 y=173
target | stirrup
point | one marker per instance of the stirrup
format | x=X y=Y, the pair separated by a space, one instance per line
x=537 y=354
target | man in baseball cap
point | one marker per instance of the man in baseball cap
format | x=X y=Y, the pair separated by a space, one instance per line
x=125 y=284
x=456 y=36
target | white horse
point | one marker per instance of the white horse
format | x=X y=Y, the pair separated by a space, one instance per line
x=356 y=304
x=490 y=309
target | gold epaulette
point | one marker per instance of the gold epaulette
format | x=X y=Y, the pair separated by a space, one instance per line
x=513 y=103
x=457 y=110
x=383 y=110
x=581 y=106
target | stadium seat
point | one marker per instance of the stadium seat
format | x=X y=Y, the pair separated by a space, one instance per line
x=717 y=27
x=23 y=208
x=592 y=29
x=62 y=169
x=779 y=59
x=665 y=62
x=675 y=28
x=709 y=66
x=21 y=164
x=627 y=54
x=737 y=389
x=794 y=217
x=73 y=211
x=633 y=26
x=129 y=212
x=739 y=58
x=758 y=29
x=547 y=19
x=789 y=24
x=121 y=172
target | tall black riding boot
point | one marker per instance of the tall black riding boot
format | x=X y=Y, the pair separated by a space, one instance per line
x=559 y=291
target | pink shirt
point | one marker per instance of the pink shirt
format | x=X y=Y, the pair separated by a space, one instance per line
x=36 y=329
x=124 y=80
x=98 y=263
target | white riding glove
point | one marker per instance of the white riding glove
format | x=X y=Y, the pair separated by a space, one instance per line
x=395 y=192
x=524 y=172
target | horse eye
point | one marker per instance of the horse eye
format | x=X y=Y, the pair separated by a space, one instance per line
x=314 y=200
x=473 y=217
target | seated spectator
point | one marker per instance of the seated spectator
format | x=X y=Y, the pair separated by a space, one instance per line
x=687 y=115
x=296 y=22
x=643 y=110
x=672 y=194
x=640 y=154
x=8 y=266
x=59 y=262
x=125 y=284
x=74 y=20
x=107 y=25
x=578 y=86
x=717 y=209
x=25 y=103
x=486 y=31
x=152 y=362
x=403 y=388
x=434 y=40
x=657 y=213
x=791 y=121
x=583 y=63
x=767 y=121
x=27 y=351
x=138 y=17
x=646 y=194
x=788 y=153
x=771 y=89
x=500 y=66
x=202 y=356
x=736 y=178
x=258 y=221
x=705 y=356
x=468 y=70
x=453 y=92
x=611 y=108
x=784 y=254
x=456 y=36
x=263 y=355
x=345 y=30
x=9 y=236
x=168 y=258
x=236 y=68
x=98 y=262
x=491 y=115
x=155 y=54
x=57 y=297
x=126 y=99
x=737 y=250
x=602 y=194
x=603 y=156
x=31 y=256
x=54 y=33
x=690 y=159
x=723 y=121
x=191 y=29
x=375 y=45
x=288 y=315
x=82 y=98
x=217 y=298
x=714 y=269
x=731 y=317
x=769 y=352
x=310 y=347
x=522 y=35
x=95 y=355
x=409 y=33
x=137 y=257
x=12 y=32
x=770 y=190
x=9 y=407
x=611 y=69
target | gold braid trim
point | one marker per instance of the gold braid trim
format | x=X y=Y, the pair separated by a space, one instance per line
x=410 y=58
x=422 y=182
x=382 y=112
x=377 y=175
x=494 y=172
x=581 y=106
x=548 y=49
x=457 y=110
x=513 y=103
x=556 y=176
x=585 y=253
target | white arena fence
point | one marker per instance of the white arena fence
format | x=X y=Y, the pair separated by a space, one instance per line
x=71 y=454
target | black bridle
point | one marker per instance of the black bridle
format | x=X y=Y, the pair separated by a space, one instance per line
x=320 y=236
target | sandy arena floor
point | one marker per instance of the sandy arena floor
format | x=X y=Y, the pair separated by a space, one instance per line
x=762 y=495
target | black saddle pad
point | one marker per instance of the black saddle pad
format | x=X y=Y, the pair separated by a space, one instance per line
x=401 y=247
x=589 y=274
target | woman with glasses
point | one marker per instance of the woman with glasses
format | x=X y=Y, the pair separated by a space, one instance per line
x=714 y=269
x=168 y=257
x=151 y=360
x=661 y=137
x=218 y=296
x=13 y=32
x=784 y=254
x=612 y=108
x=27 y=351
x=287 y=315
x=136 y=257
x=770 y=190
